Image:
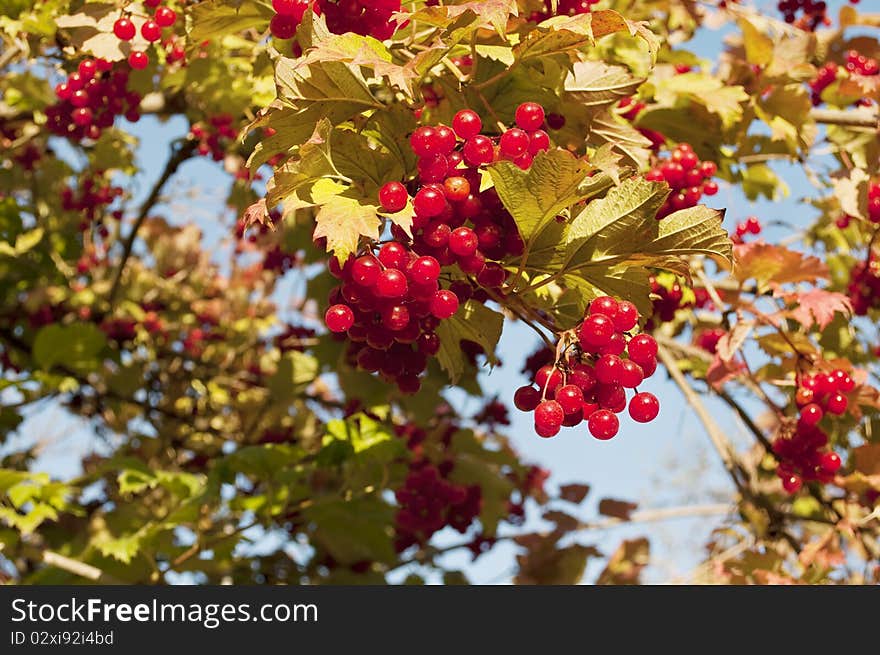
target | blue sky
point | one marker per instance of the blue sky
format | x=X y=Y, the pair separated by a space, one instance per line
x=668 y=462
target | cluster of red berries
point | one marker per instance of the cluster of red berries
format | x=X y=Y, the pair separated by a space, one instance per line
x=454 y=222
x=856 y=63
x=429 y=502
x=90 y=99
x=563 y=8
x=151 y=30
x=814 y=13
x=800 y=455
x=388 y=306
x=215 y=136
x=364 y=17
x=688 y=177
x=864 y=286
x=90 y=198
x=591 y=386
x=824 y=78
x=667 y=300
x=749 y=226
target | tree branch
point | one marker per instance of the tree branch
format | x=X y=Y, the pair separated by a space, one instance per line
x=847 y=117
x=181 y=151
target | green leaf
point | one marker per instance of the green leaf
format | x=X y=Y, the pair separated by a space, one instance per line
x=328 y=83
x=73 y=346
x=362 y=432
x=597 y=84
x=343 y=221
x=473 y=322
x=213 y=19
x=354 y=530
x=295 y=371
x=535 y=197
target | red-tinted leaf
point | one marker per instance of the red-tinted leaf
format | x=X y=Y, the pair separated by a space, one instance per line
x=620 y=509
x=774 y=265
x=574 y=493
x=817 y=306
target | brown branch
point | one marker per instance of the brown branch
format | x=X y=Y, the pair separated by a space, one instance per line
x=847 y=117
x=181 y=151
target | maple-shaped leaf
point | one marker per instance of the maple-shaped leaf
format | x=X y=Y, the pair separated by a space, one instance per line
x=343 y=221
x=564 y=34
x=720 y=372
x=597 y=84
x=725 y=101
x=772 y=265
x=817 y=306
x=490 y=13
x=403 y=218
x=257 y=214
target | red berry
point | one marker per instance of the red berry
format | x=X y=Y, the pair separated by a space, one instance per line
x=393 y=255
x=792 y=483
x=365 y=270
x=539 y=141
x=395 y=317
x=124 y=29
x=811 y=414
x=596 y=331
x=467 y=124
x=644 y=407
x=631 y=374
x=457 y=188
x=424 y=270
x=478 y=150
x=339 y=318
x=626 y=317
x=583 y=377
x=283 y=26
x=151 y=31
x=549 y=416
x=603 y=424
x=295 y=8
x=393 y=197
x=548 y=377
x=803 y=397
x=513 y=143
x=642 y=349
x=604 y=305
x=836 y=404
x=429 y=202
x=526 y=398
x=830 y=462
x=570 y=397
x=608 y=369
x=463 y=241
x=87 y=68
x=529 y=116
x=82 y=116
x=391 y=283
x=710 y=188
x=444 y=304
x=138 y=60
x=424 y=141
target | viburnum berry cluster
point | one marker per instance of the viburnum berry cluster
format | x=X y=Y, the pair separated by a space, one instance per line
x=708 y=339
x=752 y=225
x=90 y=99
x=214 y=136
x=454 y=222
x=364 y=17
x=90 y=197
x=856 y=64
x=590 y=380
x=151 y=31
x=670 y=297
x=864 y=285
x=388 y=306
x=688 y=177
x=814 y=13
x=800 y=453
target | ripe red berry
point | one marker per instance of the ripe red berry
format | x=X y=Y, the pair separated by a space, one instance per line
x=467 y=124
x=626 y=317
x=611 y=397
x=138 y=60
x=642 y=349
x=457 y=188
x=513 y=143
x=548 y=418
x=631 y=374
x=391 y=283
x=429 y=202
x=365 y=270
x=444 y=304
x=529 y=116
x=151 y=31
x=792 y=483
x=423 y=141
x=604 y=305
x=339 y=318
x=124 y=29
x=803 y=396
x=424 y=270
x=82 y=116
x=548 y=377
x=283 y=26
x=603 y=424
x=295 y=8
x=570 y=397
x=539 y=141
x=811 y=414
x=393 y=197
x=463 y=241
x=644 y=407
x=830 y=462
x=608 y=369
x=395 y=317
x=393 y=255
x=596 y=331
x=836 y=404
x=87 y=68
x=478 y=150
x=526 y=398
x=583 y=377
x=165 y=17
